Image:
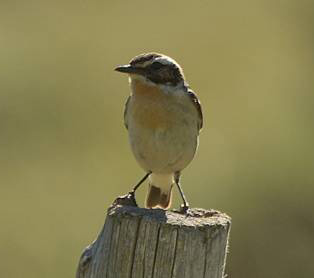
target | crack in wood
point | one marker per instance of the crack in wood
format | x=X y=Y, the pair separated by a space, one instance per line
x=134 y=248
x=175 y=252
x=156 y=250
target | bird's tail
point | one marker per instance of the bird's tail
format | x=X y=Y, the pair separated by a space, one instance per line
x=159 y=191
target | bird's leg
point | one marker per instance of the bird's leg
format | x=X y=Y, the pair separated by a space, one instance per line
x=129 y=199
x=185 y=206
x=132 y=192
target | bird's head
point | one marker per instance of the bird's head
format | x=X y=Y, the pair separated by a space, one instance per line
x=154 y=68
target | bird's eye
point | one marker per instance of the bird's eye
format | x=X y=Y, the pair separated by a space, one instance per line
x=156 y=65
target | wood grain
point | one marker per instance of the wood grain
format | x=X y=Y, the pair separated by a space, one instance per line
x=153 y=243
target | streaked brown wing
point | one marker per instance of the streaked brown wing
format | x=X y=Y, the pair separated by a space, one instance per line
x=125 y=111
x=198 y=107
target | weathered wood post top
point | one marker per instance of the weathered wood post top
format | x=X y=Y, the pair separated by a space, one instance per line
x=154 y=243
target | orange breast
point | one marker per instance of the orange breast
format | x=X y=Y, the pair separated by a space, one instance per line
x=150 y=106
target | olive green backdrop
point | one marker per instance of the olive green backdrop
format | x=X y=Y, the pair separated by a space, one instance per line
x=64 y=154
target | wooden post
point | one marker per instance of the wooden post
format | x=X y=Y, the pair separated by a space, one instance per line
x=153 y=243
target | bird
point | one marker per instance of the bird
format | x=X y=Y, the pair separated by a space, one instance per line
x=163 y=117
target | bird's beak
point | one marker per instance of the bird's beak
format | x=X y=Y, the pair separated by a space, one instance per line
x=128 y=69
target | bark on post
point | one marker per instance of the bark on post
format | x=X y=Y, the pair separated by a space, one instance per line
x=145 y=243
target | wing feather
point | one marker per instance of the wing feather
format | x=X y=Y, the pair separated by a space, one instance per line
x=126 y=111
x=198 y=107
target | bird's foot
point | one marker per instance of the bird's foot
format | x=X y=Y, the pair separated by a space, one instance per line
x=185 y=208
x=126 y=200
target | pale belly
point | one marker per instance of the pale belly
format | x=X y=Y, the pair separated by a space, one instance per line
x=163 y=136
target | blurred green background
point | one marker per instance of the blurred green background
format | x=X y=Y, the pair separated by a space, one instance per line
x=64 y=154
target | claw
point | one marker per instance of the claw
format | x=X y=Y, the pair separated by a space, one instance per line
x=127 y=200
x=131 y=197
x=184 y=208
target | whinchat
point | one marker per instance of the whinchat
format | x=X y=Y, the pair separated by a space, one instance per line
x=163 y=117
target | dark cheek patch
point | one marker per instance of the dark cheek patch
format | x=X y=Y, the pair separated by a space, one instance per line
x=166 y=75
